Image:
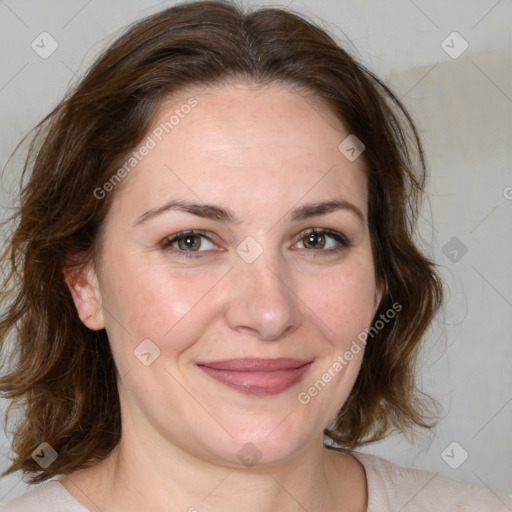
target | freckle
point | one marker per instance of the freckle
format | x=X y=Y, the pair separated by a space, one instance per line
x=180 y=308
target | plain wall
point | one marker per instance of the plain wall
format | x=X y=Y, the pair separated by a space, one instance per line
x=463 y=107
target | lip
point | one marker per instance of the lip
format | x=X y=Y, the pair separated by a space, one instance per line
x=254 y=376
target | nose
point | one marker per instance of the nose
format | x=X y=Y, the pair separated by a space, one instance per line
x=262 y=301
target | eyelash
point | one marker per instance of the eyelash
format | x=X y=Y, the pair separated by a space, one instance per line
x=340 y=238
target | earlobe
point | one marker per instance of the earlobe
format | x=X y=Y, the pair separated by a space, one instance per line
x=83 y=286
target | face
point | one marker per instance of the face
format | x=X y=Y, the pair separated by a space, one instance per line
x=219 y=335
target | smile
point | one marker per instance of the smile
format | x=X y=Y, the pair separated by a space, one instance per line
x=259 y=377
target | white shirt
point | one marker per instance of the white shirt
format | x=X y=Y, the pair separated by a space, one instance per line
x=391 y=488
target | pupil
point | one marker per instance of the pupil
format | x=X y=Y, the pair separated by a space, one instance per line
x=314 y=239
x=191 y=242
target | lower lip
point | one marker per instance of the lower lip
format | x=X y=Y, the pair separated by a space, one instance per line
x=258 y=383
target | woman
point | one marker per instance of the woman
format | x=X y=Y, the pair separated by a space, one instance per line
x=214 y=281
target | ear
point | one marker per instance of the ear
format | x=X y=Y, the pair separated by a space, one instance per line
x=83 y=285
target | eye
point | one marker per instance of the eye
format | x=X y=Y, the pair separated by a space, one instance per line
x=187 y=243
x=191 y=243
x=323 y=241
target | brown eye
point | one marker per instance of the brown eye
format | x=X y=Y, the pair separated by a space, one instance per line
x=189 y=242
x=323 y=242
x=314 y=241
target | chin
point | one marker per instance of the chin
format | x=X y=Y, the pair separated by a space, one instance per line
x=260 y=447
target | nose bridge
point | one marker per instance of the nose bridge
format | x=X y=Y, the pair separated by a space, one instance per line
x=262 y=297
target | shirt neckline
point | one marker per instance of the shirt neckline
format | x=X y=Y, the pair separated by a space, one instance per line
x=362 y=458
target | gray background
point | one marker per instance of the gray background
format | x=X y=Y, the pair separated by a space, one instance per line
x=463 y=107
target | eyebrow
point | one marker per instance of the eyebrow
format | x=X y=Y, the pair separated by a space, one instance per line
x=211 y=211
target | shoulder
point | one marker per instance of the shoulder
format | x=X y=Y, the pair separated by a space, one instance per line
x=392 y=487
x=48 y=497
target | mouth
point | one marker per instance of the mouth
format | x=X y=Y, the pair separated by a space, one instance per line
x=259 y=377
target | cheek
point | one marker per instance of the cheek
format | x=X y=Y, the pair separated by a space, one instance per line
x=343 y=300
x=163 y=304
x=155 y=302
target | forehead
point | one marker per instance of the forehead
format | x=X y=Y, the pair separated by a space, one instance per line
x=245 y=145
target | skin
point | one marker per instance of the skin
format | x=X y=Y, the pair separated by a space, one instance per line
x=260 y=152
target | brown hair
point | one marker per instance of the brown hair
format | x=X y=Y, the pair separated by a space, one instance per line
x=62 y=375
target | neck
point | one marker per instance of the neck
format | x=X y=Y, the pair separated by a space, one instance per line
x=193 y=484
x=314 y=480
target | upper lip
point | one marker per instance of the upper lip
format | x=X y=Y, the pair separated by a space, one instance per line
x=256 y=364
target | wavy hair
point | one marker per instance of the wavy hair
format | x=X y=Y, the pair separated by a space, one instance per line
x=59 y=375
